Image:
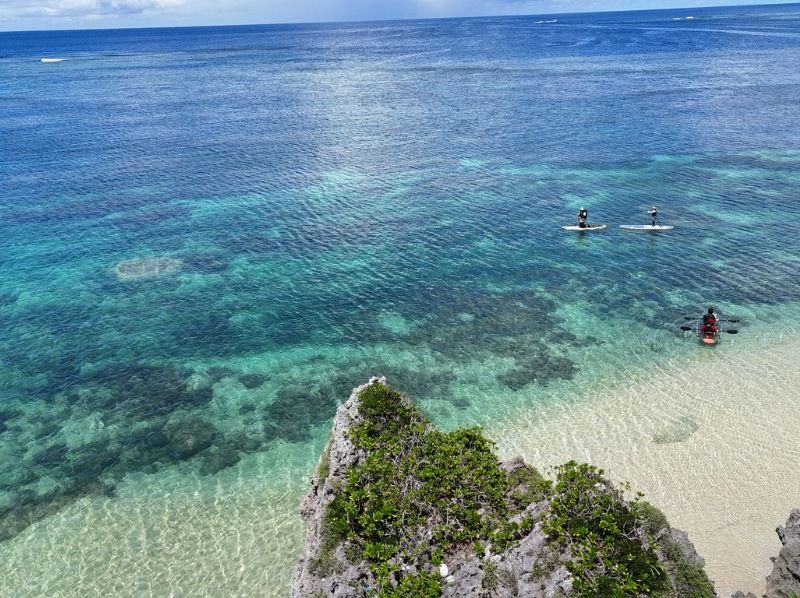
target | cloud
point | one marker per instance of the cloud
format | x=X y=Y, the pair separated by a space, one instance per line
x=88 y=8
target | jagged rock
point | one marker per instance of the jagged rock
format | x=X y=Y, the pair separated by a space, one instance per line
x=531 y=566
x=340 y=455
x=784 y=581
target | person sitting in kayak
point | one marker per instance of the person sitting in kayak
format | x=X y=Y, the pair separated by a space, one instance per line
x=653 y=214
x=710 y=317
x=583 y=215
x=708 y=327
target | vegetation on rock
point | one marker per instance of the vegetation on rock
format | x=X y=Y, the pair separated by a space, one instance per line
x=615 y=543
x=419 y=492
x=590 y=518
x=420 y=495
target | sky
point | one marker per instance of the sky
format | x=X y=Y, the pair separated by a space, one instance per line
x=96 y=14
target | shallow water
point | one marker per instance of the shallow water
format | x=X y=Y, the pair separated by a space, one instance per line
x=711 y=438
x=312 y=205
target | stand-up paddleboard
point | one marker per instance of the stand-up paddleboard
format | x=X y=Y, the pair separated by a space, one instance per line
x=645 y=227
x=49 y=60
x=587 y=227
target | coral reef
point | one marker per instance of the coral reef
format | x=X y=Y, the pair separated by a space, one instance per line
x=146 y=268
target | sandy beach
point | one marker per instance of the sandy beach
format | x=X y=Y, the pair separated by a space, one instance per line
x=710 y=439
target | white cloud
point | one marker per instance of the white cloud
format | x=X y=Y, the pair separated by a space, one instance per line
x=56 y=14
x=87 y=8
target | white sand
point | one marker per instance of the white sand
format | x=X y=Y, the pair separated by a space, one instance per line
x=727 y=465
x=225 y=537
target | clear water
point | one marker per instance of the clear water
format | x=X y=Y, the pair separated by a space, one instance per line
x=346 y=200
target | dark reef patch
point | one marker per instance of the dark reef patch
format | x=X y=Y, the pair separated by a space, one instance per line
x=296 y=409
x=252 y=380
x=7 y=416
x=219 y=457
x=30 y=507
x=187 y=438
x=52 y=456
x=537 y=366
x=149 y=402
x=142 y=391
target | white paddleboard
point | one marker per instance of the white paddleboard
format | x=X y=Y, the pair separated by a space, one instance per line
x=587 y=227
x=48 y=60
x=645 y=227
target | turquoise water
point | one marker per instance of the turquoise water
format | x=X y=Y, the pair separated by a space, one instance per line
x=209 y=236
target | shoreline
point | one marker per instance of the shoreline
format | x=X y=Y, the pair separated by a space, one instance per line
x=699 y=432
x=709 y=438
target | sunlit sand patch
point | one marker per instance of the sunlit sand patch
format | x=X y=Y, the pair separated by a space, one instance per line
x=711 y=439
x=394 y=322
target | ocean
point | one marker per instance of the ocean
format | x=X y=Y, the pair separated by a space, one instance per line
x=208 y=236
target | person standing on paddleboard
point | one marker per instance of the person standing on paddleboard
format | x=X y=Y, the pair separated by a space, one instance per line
x=653 y=214
x=583 y=215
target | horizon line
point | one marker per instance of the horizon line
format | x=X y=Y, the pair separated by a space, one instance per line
x=400 y=20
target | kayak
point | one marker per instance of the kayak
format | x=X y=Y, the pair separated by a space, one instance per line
x=645 y=227
x=584 y=228
x=708 y=338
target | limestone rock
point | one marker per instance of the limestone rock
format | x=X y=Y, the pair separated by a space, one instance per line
x=530 y=567
x=339 y=578
x=784 y=581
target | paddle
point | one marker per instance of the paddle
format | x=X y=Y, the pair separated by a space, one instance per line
x=689 y=318
x=729 y=331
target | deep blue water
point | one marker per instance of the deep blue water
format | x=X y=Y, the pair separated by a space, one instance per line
x=349 y=199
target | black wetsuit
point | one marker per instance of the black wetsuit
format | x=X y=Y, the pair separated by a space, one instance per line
x=653 y=215
x=582 y=216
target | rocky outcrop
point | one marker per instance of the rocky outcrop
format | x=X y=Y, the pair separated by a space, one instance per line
x=522 y=560
x=784 y=581
x=315 y=575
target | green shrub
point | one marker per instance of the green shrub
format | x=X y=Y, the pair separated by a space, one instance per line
x=688 y=578
x=419 y=492
x=489 y=580
x=421 y=585
x=326 y=562
x=324 y=467
x=528 y=486
x=591 y=518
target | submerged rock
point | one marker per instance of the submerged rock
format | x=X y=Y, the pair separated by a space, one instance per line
x=189 y=437
x=146 y=268
x=678 y=431
x=505 y=530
